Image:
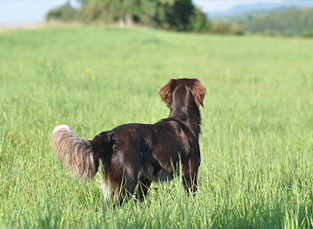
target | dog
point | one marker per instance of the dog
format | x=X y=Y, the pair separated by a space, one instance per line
x=138 y=154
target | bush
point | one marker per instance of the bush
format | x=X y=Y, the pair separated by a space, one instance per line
x=64 y=13
x=221 y=27
x=307 y=35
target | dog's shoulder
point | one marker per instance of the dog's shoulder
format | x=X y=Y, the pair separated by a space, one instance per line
x=174 y=124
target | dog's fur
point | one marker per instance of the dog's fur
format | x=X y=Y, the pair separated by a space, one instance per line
x=134 y=154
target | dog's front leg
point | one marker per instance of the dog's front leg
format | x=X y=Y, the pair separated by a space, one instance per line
x=143 y=187
x=190 y=183
x=190 y=172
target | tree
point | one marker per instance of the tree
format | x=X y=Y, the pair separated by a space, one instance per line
x=165 y=14
x=82 y=2
x=199 y=22
x=63 y=13
x=97 y=10
x=177 y=14
x=108 y=11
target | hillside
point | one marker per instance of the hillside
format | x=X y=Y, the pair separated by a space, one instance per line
x=287 y=22
x=266 y=6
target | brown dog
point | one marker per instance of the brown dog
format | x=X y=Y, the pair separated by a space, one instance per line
x=134 y=154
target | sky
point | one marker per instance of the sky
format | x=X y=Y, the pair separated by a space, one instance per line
x=19 y=12
x=222 y=5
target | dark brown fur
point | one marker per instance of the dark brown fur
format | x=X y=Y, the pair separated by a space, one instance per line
x=134 y=154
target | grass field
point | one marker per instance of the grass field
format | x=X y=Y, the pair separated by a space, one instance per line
x=257 y=125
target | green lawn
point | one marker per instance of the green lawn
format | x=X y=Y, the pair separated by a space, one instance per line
x=257 y=125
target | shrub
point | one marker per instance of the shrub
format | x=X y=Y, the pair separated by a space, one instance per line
x=307 y=35
x=63 y=13
x=221 y=27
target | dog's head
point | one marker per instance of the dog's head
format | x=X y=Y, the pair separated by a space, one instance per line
x=182 y=87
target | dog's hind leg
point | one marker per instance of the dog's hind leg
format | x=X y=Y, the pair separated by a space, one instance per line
x=123 y=177
x=105 y=187
x=125 y=189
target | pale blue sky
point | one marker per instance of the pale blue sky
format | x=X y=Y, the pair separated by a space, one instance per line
x=17 y=12
x=223 y=5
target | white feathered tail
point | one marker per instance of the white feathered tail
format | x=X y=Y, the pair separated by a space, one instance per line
x=75 y=153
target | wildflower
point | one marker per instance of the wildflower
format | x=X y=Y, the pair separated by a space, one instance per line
x=92 y=77
x=49 y=67
x=87 y=70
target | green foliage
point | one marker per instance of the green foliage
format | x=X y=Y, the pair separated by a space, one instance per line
x=199 y=21
x=176 y=14
x=64 y=13
x=82 y=2
x=285 y=22
x=164 y=14
x=256 y=143
x=97 y=10
x=108 y=11
x=225 y=28
x=307 y=35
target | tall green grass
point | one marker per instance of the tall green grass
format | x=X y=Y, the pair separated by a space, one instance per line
x=257 y=125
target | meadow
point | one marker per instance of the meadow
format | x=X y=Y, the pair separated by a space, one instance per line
x=257 y=125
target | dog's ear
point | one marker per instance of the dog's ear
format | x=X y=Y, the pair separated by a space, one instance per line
x=198 y=92
x=166 y=92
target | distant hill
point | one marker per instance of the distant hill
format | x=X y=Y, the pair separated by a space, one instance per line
x=259 y=7
x=287 y=22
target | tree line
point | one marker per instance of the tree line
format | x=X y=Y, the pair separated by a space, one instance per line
x=182 y=15
x=279 y=22
x=162 y=14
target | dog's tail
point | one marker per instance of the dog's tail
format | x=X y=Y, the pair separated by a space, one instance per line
x=79 y=155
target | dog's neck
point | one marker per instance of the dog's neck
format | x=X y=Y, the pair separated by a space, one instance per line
x=185 y=109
